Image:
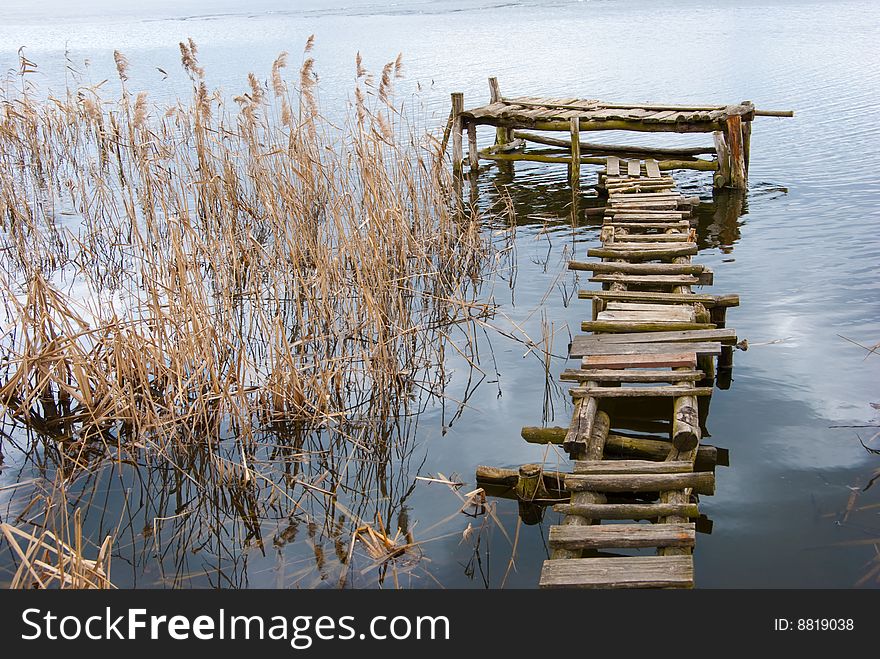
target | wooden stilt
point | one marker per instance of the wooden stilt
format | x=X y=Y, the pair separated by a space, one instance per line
x=457 y=150
x=502 y=135
x=575 y=167
x=722 y=176
x=747 y=145
x=737 y=160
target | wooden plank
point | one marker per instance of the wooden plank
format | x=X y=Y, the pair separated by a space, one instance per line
x=726 y=336
x=643 y=306
x=612 y=166
x=666 y=251
x=702 y=482
x=639 y=268
x=633 y=467
x=641 y=375
x=634 y=167
x=672 y=391
x=657 y=360
x=645 y=225
x=706 y=300
x=676 y=237
x=581 y=346
x=661 y=312
x=641 y=326
x=659 y=245
x=628 y=510
x=653 y=168
x=619 y=572
x=605 y=536
x=647 y=280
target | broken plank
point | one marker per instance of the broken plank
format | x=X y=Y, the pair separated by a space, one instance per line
x=619 y=572
x=622 y=535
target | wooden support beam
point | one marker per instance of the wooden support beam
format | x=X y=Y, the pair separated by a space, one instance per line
x=575 y=174
x=737 y=159
x=473 y=153
x=686 y=422
x=503 y=135
x=592 y=147
x=628 y=510
x=702 y=482
x=457 y=149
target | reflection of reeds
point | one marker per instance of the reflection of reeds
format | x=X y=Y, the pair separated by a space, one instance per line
x=242 y=278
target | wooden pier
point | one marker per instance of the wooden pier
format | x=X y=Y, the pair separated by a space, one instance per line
x=653 y=341
x=516 y=119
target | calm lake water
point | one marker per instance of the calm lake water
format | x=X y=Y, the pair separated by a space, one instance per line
x=803 y=257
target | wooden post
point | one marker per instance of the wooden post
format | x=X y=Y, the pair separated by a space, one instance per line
x=457 y=150
x=502 y=135
x=722 y=176
x=737 y=159
x=473 y=155
x=530 y=485
x=747 y=145
x=575 y=170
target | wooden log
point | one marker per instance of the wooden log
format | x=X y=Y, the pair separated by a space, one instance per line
x=619 y=572
x=575 y=174
x=737 y=162
x=674 y=298
x=473 y=153
x=645 y=280
x=581 y=426
x=633 y=125
x=647 y=225
x=632 y=254
x=722 y=335
x=746 y=145
x=670 y=237
x=503 y=136
x=655 y=312
x=622 y=536
x=551 y=480
x=457 y=149
x=633 y=467
x=665 y=165
x=593 y=450
x=722 y=176
x=628 y=510
x=582 y=346
x=638 y=392
x=641 y=375
x=530 y=483
x=641 y=326
x=686 y=423
x=592 y=147
x=631 y=361
x=702 y=482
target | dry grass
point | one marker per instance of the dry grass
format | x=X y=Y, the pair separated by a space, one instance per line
x=179 y=281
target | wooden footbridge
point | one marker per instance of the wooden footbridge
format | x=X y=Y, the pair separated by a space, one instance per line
x=648 y=364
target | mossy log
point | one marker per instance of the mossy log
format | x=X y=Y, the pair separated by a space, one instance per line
x=702 y=482
x=628 y=510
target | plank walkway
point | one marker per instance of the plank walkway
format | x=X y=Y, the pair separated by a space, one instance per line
x=653 y=337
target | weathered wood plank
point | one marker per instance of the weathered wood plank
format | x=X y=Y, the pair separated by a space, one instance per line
x=639 y=360
x=612 y=166
x=641 y=375
x=646 y=280
x=660 y=313
x=652 y=168
x=633 y=167
x=627 y=536
x=619 y=572
x=628 y=510
x=706 y=300
x=726 y=336
x=702 y=482
x=582 y=346
x=633 y=467
x=637 y=253
x=639 y=268
x=672 y=391
x=641 y=326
